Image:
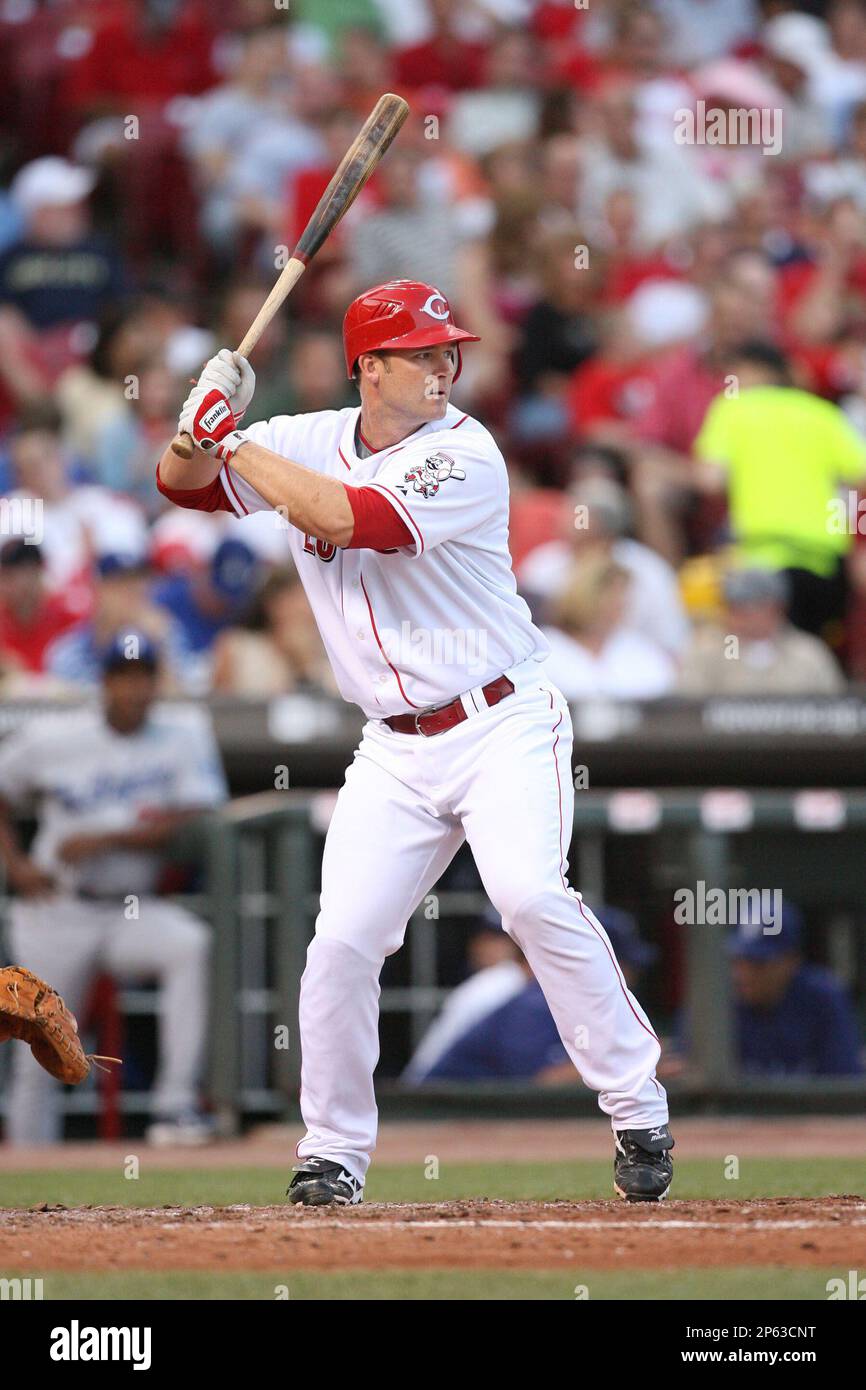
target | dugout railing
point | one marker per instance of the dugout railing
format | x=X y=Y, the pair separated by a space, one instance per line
x=259 y=891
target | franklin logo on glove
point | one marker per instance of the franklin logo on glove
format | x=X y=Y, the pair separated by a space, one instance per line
x=216 y=404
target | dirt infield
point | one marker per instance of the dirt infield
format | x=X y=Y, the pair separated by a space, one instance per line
x=473 y=1235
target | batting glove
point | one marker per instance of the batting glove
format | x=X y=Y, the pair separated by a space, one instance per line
x=231 y=374
x=208 y=417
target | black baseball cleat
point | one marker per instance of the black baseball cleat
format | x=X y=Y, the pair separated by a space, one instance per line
x=320 y=1183
x=642 y=1166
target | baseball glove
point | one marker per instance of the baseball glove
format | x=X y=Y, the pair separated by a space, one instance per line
x=33 y=1012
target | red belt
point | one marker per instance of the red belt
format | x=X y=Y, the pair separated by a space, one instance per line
x=436 y=721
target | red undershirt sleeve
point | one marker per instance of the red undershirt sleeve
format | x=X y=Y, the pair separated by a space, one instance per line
x=211 y=498
x=377 y=524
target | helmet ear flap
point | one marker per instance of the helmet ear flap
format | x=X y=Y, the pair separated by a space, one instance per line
x=459 y=363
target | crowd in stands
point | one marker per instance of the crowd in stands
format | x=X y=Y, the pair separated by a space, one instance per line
x=672 y=317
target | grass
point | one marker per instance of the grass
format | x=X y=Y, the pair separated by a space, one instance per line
x=358 y=1285
x=576 y=1181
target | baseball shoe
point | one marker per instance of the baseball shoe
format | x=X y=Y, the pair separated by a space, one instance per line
x=642 y=1166
x=320 y=1183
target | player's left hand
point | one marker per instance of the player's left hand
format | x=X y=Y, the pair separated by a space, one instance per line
x=231 y=374
x=208 y=417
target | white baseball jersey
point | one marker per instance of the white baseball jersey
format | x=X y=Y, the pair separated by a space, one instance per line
x=85 y=778
x=416 y=627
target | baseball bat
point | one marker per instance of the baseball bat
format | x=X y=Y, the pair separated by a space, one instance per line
x=354 y=169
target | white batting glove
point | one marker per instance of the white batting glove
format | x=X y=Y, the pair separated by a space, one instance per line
x=231 y=374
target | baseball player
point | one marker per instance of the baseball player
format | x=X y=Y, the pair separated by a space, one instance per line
x=398 y=513
x=111 y=785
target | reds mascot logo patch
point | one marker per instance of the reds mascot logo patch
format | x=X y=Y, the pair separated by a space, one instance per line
x=427 y=477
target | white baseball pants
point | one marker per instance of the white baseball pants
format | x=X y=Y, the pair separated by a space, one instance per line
x=501 y=780
x=68 y=941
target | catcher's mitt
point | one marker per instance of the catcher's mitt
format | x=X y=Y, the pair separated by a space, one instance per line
x=34 y=1012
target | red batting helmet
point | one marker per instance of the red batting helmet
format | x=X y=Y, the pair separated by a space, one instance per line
x=400 y=314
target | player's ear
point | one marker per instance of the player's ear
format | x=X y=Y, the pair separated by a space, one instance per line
x=369 y=367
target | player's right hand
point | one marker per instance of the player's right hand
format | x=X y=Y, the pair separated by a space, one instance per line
x=29 y=880
x=232 y=375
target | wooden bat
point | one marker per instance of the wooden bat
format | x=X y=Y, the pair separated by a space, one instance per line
x=354 y=169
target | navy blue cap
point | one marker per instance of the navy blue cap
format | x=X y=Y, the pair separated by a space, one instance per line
x=130 y=649
x=767 y=940
x=234 y=569
x=120 y=562
x=625 y=939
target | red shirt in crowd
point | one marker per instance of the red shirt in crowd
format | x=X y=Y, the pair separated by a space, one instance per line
x=128 y=60
x=681 y=386
x=602 y=391
x=442 y=61
x=24 y=643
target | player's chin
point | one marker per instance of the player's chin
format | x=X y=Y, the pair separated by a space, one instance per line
x=437 y=405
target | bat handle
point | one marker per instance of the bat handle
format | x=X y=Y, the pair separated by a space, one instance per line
x=183 y=445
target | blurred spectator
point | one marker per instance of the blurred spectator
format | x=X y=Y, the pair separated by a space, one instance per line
x=60 y=272
x=819 y=292
x=678 y=388
x=670 y=192
x=727 y=95
x=608 y=390
x=72 y=524
x=223 y=123
x=30 y=617
x=311 y=377
x=780 y=454
x=408 y=237
x=686 y=378
x=365 y=63
x=278 y=648
x=559 y=332
x=122 y=601
x=114 y=786
x=128 y=442
x=142 y=54
x=506 y=105
x=594 y=654
x=698 y=30
x=206 y=600
x=756 y=651
x=791 y=1018
x=255 y=179
x=518 y=1039
x=444 y=58
x=95 y=395
x=795 y=49
x=497 y=974
x=839 y=74
x=594 y=521
x=843 y=176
